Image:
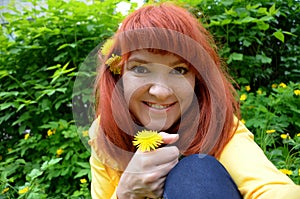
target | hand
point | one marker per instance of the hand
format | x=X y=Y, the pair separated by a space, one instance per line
x=146 y=172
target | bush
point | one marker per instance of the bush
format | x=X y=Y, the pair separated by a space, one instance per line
x=42 y=47
x=273 y=116
x=258 y=39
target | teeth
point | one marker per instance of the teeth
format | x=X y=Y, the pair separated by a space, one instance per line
x=158 y=106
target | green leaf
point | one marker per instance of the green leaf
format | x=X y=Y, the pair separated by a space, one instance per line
x=237 y=56
x=279 y=35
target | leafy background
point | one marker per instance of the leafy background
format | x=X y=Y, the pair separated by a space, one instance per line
x=42 y=48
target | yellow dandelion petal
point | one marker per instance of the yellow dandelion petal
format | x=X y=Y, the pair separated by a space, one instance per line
x=24 y=190
x=26 y=136
x=270 y=131
x=284 y=136
x=286 y=171
x=243 y=97
x=283 y=85
x=5 y=190
x=50 y=132
x=113 y=63
x=297 y=92
x=274 y=85
x=247 y=88
x=59 y=151
x=147 y=140
x=106 y=48
x=83 y=181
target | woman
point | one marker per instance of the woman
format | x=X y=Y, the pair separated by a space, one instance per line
x=162 y=73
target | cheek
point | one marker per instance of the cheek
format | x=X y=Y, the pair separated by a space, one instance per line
x=184 y=91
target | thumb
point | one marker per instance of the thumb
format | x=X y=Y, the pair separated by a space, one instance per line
x=169 y=138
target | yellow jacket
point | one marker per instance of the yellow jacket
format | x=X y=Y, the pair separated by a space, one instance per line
x=255 y=176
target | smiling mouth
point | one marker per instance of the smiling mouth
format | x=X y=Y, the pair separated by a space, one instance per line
x=158 y=106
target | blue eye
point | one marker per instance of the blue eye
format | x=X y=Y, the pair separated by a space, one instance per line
x=179 y=70
x=140 y=69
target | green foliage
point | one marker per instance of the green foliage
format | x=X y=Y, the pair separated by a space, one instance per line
x=259 y=40
x=273 y=115
x=41 y=50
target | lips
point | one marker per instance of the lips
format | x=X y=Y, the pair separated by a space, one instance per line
x=158 y=106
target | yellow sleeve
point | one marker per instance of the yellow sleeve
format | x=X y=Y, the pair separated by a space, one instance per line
x=102 y=186
x=255 y=176
x=104 y=178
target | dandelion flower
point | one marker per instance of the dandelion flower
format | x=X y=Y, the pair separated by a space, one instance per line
x=113 y=63
x=26 y=136
x=105 y=49
x=243 y=97
x=59 y=151
x=50 y=132
x=286 y=171
x=297 y=92
x=85 y=133
x=247 y=88
x=298 y=135
x=259 y=92
x=24 y=190
x=5 y=190
x=274 y=85
x=243 y=121
x=283 y=85
x=83 y=181
x=270 y=131
x=284 y=136
x=147 y=140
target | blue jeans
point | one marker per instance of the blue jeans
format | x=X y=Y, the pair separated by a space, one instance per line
x=200 y=176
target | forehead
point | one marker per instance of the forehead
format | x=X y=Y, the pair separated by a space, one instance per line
x=155 y=56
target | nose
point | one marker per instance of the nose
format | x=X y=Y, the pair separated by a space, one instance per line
x=160 y=91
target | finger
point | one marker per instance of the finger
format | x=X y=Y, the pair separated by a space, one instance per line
x=161 y=156
x=169 y=138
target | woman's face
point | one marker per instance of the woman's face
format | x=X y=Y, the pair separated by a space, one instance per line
x=158 y=88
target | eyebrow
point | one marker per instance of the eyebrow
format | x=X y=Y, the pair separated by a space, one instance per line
x=147 y=62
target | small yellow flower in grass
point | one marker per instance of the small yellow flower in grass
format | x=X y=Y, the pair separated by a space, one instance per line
x=24 y=190
x=286 y=171
x=247 y=88
x=259 y=91
x=85 y=133
x=26 y=136
x=50 y=132
x=1 y=157
x=147 y=140
x=298 y=135
x=5 y=190
x=274 y=85
x=270 y=131
x=285 y=136
x=299 y=172
x=243 y=97
x=59 y=151
x=243 y=121
x=9 y=149
x=282 y=85
x=297 y=92
x=83 y=181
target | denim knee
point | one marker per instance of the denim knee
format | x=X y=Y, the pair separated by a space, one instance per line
x=200 y=176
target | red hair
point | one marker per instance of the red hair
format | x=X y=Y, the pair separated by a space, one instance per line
x=209 y=123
